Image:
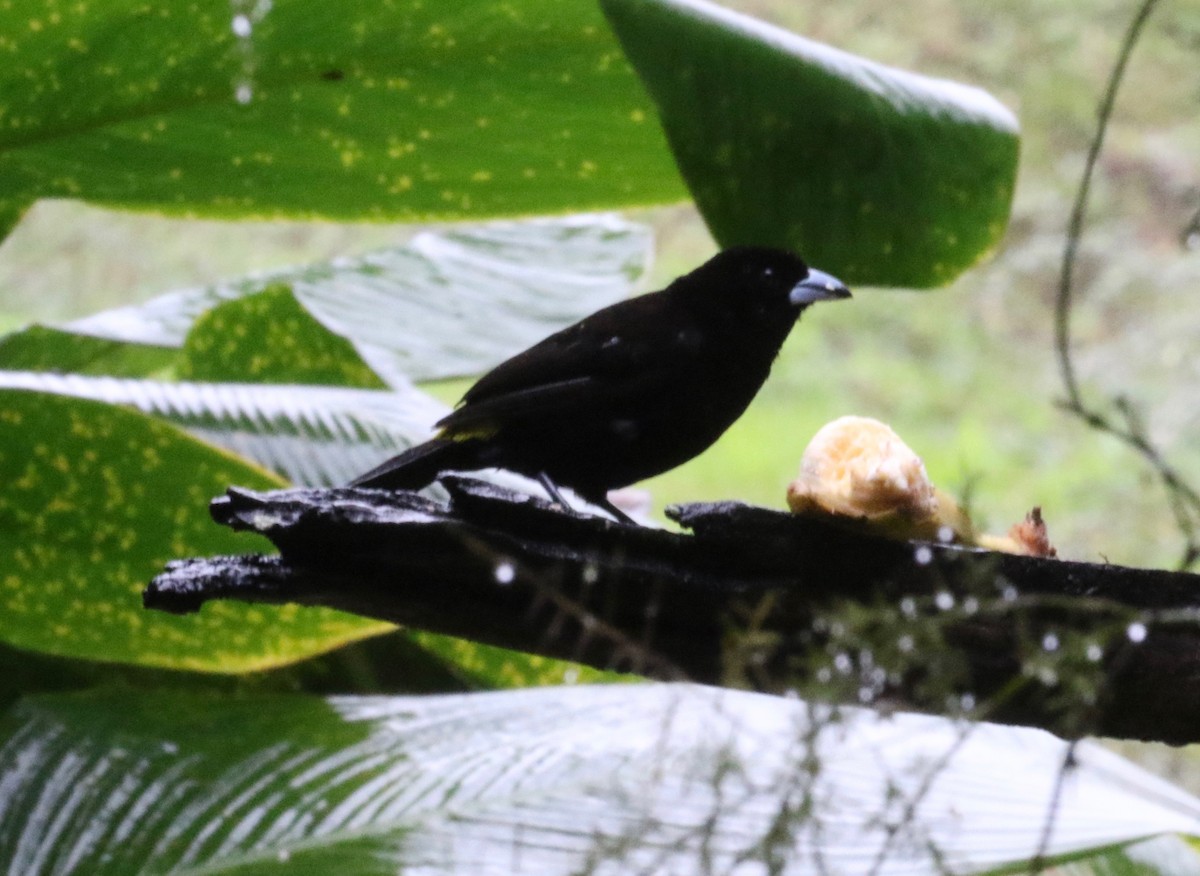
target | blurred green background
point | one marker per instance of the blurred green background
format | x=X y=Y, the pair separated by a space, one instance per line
x=966 y=374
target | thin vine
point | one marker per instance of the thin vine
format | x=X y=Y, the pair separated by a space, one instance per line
x=1122 y=422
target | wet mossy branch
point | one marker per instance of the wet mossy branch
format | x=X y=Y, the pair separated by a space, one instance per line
x=748 y=597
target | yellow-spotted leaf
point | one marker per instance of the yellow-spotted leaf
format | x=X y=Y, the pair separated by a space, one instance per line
x=45 y=348
x=879 y=175
x=270 y=338
x=490 y=667
x=351 y=109
x=96 y=499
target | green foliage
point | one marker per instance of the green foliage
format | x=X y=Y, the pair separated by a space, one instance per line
x=397 y=110
x=270 y=338
x=494 y=667
x=616 y=779
x=348 y=110
x=419 y=111
x=253 y=330
x=43 y=348
x=98 y=504
x=876 y=174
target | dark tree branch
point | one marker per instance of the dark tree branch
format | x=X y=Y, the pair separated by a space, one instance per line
x=750 y=597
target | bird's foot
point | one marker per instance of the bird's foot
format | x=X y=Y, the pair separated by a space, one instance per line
x=603 y=502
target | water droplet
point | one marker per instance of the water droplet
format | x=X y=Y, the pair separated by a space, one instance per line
x=1050 y=642
x=908 y=607
x=923 y=555
x=905 y=643
x=243 y=94
x=842 y=663
x=505 y=573
x=241 y=26
x=1094 y=652
x=1136 y=632
x=944 y=600
x=1046 y=676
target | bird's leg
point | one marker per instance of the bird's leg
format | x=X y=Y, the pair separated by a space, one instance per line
x=602 y=501
x=605 y=503
x=553 y=492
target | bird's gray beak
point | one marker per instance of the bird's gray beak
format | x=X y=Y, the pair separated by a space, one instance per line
x=817 y=286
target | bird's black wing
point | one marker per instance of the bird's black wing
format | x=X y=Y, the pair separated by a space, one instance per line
x=611 y=346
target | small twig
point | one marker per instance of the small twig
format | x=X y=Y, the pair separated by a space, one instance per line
x=1190 y=235
x=913 y=803
x=1183 y=498
x=1060 y=779
x=1062 y=306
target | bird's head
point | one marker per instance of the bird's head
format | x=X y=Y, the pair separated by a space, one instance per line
x=766 y=279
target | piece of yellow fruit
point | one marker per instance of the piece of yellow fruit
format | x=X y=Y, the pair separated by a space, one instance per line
x=859 y=468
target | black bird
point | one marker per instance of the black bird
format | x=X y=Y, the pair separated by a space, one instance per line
x=631 y=391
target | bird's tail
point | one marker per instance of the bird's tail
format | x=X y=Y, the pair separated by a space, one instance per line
x=416 y=467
